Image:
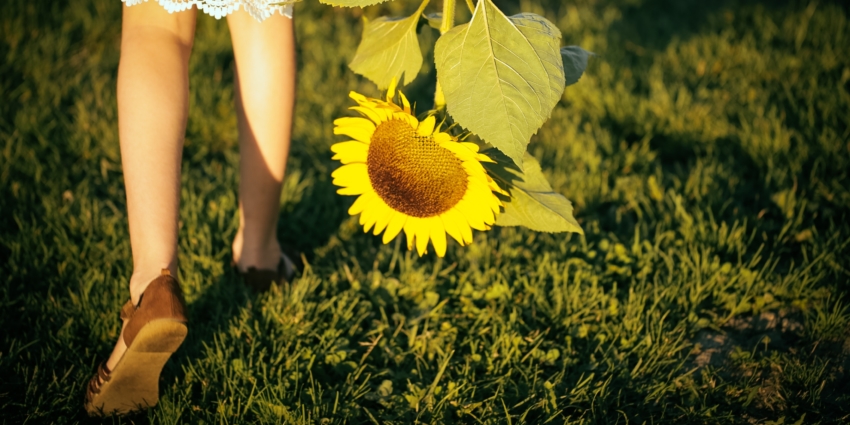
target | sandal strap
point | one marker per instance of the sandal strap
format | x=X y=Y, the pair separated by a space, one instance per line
x=101 y=377
x=92 y=389
x=127 y=310
x=162 y=299
x=103 y=372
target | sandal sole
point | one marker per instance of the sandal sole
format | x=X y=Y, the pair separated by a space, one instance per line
x=134 y=384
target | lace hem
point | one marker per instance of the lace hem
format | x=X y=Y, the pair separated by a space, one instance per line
x=259 y=9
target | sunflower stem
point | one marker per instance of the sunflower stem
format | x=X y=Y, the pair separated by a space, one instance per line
x=448 y=16
x=447 y=24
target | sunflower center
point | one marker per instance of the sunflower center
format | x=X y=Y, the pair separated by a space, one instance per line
x=414 y=174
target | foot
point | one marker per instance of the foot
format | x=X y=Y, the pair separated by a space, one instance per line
x=261 y=255
x=152 y=330
x=138 y=283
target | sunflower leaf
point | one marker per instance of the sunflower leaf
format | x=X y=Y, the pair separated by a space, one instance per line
x=532 y=203
x=575 y=62
x=351 y=3
x=501 y=75
x=435 y=20
x=389 y=49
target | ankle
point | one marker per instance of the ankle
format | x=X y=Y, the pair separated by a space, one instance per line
x=143 y=276
x=262 y=253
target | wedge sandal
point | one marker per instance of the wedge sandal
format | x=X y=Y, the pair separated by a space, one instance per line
x=154 y=329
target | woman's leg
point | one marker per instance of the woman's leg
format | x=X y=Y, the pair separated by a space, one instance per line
x=153 y=103
x=265 y=95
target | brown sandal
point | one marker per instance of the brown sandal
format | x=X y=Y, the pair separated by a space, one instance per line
x=153 y=330
x=260 y=280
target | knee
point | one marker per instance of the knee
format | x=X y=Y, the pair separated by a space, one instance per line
x=150 y=25
x=156 y=38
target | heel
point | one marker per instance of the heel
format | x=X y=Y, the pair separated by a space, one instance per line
x=160 y=336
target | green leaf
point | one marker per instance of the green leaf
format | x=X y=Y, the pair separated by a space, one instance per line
x=389 y=49
x=435 y=20
x=532 y=203
x=501 y=76
x=575 y=62
x=351 y=3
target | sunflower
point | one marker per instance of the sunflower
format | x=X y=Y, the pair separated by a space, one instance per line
x=408 y=175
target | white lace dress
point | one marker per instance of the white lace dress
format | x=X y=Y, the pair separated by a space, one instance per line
x=259 y=9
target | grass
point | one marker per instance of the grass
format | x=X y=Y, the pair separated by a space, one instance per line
x=706 y=150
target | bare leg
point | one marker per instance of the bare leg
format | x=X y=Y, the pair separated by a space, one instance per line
x=153 y=103
x=265 y=95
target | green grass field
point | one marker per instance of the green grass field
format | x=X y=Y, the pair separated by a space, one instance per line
x=707 y=153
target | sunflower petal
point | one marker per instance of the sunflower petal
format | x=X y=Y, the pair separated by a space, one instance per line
x=370 y=215
x=357 y=97
x=349 y=174
x=471 y=214
x=471 y=146
x=368 y=113
x=360 y=132
x=442 y=138
x=384 y=214
x=422 y=236
x=404 y=102
x=426 y=126
x=391 y=89
x=410 y=230
x=354 y=190
x=348 y=152
x=438 y=235
x=354 y=122
x=485 y=158
x=361 y=203
x=452 y=222
x=397 y=220
x=461 y=152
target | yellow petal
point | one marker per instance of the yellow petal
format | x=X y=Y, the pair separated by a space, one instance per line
x=466 y=231
x=443 y=138
x=426 y=127
x=386 y=114
x=473 y=167
x=410 y=119
x=391 y=89
x=348 y=152
x=410 y=230
x=471 y=146
x=438 y=235
x=471 y=214
x=384 y=214
x=362 y=203
x=370 y=214
x=350 y=172
x=354 y=186
x=369 y=113
x=451 y=222
x=461 y=152
x=361 y=133
x=404 y=102
x=357 y=96
x=481 y=201
x=485 y=158
x=354 y=122
x=358 y=189
x=461 y=226
x=397 y=220
x=422 y=234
